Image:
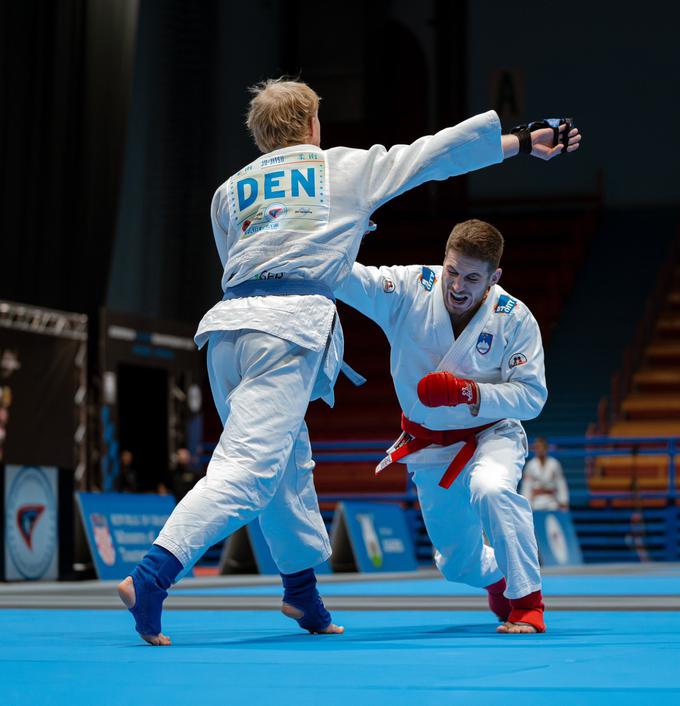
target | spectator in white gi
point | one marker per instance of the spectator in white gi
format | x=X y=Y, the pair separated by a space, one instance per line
x=543 y=482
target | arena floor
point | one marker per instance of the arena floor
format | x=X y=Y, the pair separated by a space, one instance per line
x=613 y=638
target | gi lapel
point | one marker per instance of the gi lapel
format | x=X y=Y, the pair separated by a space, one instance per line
x=461 y=347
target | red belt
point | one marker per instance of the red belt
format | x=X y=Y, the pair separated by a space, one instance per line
x=416 y=437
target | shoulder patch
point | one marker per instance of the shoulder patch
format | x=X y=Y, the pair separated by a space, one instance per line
x=505 y=304
x=517 y=359
x=388 y=285
x=427 y=278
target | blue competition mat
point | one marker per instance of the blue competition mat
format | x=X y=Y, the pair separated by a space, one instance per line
x=91 y=657
x=579 y=585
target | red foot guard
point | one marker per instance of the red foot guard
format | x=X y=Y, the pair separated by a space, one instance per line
x=498 y=603
x=528 y=609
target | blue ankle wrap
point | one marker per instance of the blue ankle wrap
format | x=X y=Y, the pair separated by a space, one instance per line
x=300 y=592
x=152 y=577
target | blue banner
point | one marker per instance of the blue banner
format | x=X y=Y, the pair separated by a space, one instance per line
x=378 y=536
x=557 y=541
x=120 y=528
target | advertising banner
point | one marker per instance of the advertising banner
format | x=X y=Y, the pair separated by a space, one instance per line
x=120 y=528
x=557 y=541
x=371 y=537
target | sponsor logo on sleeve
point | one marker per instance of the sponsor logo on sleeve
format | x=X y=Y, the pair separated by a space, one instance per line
x=388 y=285
x=427 y=278
x=517 y=359
x=484 y=342
x=505 y=304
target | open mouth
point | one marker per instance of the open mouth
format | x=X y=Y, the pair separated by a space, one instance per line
x=458 y=299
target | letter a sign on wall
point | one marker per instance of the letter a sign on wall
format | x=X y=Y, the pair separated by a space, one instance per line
x=507 y=94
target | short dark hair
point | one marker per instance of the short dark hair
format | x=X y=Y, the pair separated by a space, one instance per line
x=477 y=239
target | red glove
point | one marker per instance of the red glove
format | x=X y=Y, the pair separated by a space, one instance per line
x=444 y=389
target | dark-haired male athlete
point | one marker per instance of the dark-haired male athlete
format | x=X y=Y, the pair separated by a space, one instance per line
x=467 y=363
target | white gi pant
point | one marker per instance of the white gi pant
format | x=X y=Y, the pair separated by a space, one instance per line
x=483 y=497
x=262 y=466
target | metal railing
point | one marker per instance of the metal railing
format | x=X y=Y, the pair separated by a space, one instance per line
x=629 y=531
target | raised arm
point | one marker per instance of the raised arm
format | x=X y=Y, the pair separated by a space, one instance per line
x=473 y=144
x=375 y=292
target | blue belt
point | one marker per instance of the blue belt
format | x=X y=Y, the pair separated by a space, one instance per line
x=286 y=287
x=278 y=288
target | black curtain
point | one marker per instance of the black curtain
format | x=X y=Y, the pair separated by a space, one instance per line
x=65 y=76
x=164 y=262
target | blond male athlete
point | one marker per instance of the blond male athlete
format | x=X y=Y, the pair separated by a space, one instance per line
x=287 y=228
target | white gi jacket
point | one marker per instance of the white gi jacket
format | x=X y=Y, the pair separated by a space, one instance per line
x=500 y=348
x=544 y=484
x=301 y=212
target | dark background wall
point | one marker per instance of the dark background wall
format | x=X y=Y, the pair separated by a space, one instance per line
x=65 y=70
x=616 y=69
x=120 y=119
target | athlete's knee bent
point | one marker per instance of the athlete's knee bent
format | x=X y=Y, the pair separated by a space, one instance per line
x=488 y=483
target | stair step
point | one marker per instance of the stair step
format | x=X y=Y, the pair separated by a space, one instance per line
x=625 y=473
x=645 y=428
x=673 y=300
x=668 y=327
x=663 y=351
x=652 y=406
x=657 y=380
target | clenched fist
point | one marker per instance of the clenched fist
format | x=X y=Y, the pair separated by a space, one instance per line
x=444 y=389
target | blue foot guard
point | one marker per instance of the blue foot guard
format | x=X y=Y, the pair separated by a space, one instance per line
x=152 y=577
x=300 y=592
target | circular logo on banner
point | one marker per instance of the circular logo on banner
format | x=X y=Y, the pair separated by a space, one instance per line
x=556 y=539
x=31 y=522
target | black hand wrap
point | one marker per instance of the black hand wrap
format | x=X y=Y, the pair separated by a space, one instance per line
x=523 y=132
x=524 y=136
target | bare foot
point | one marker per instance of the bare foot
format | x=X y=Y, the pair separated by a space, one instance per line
x=516 y=628
x=126 y=591
x=290 y=612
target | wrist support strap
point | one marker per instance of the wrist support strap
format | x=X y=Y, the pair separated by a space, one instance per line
x=523 y=132
x=524 y=136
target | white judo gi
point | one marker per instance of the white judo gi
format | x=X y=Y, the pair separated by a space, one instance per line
x=543 y=484
x=298 y=213
x=501 y=349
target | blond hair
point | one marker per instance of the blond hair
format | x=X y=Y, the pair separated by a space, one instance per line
x=279 y=112
x=477 y=239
